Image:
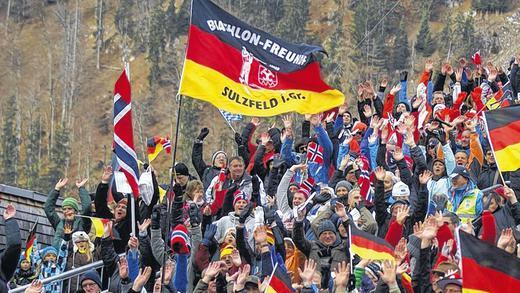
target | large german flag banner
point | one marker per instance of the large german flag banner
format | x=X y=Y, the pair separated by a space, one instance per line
x=504 y=133
x=487 y=268
x=241 y=69
x=369 y=246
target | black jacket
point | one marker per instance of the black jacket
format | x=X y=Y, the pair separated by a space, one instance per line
x=10 y=256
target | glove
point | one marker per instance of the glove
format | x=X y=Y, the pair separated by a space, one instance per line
x=269 y=216
x=403 y=75
x=245 y=213
x=194 y=214
x=156 y=218
x=209 y=235
x=238 y=139
x=321 y=198
x=203 y=133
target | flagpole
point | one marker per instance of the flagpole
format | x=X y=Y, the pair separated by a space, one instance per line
x=271 y=276
x=350 y=248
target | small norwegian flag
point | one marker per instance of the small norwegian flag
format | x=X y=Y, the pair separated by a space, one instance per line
x=364 y=180
x=476 y=58
x=306 y=186
x=315 y=153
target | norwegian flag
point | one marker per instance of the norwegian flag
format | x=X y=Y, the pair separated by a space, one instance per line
x=364 y=180
x=124 y=134
x=167 y=145
x=315 y=153
x=306 y=186
x=476 y=58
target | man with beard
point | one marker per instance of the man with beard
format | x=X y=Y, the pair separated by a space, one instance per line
x=70 y=209
x=121 y=214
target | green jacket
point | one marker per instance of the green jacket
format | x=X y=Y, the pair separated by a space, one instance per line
x=80 y=224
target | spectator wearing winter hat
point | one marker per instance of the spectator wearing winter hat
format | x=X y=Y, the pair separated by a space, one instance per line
x=70 y=209
x=503 y=203
x=80 y=253
x=206 y=172
x=53 y=262
x=90 y=282
x=242 y=212
x=465 y=199
x=298 y=198
x=181 y=175
x=121 y=215
x=328 y=251
x=418 y=208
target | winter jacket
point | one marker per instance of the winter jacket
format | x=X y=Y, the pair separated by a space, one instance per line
x=206 y=172
x=231 y=221
x=80 y=224
x=123 y=227
x=488 y=176
x=418 y=209
x=326 y=257
x=11 y=254
x=320 y=172
x=49 y=269
x=111 y=264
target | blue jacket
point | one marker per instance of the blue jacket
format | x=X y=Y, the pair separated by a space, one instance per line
x=457 y=195
x=320 y=173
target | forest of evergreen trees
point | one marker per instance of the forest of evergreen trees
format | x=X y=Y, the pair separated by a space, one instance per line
x=365 y=39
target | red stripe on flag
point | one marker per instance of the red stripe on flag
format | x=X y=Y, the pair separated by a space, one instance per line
x=504 y=136
x=479 y=277
x=208 y=50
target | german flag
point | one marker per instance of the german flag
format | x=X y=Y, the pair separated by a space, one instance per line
x=29 y=244
x=369 y=246
x=487 y=268
x=154 y=146
x=241 y=69
x=280 y=282
x=504 y=132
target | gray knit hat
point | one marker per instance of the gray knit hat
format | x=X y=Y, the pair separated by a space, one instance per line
x=343 y=183
x=326 y=225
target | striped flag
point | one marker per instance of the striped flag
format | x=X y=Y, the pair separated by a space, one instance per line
x=314 y=153
x=154 y=146
x=306 y=186
x=230 y=117
x=241 y=69
x=503 y=127
x=279 y=282
x=124 y=134
x=364 y=180
x=369 y=246
x=99 y=225
x=487 y=268
x=31 y=240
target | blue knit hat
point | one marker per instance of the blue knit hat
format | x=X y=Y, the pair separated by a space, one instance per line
x=93 y=276
x=48 y=250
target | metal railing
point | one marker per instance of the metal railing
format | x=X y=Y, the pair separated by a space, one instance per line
x=68 y=275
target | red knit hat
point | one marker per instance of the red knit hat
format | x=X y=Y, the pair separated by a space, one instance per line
x=179 y=239
x=239 y=195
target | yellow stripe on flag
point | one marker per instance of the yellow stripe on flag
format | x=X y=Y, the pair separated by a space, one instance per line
x=162 y=193
x=158 y=149
x=209 y=85
x=492 y=104
x=508 y=158
x=466 y=290
x=371 y=254
x=99 y=226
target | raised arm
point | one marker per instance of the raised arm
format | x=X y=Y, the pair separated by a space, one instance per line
x=50 y=204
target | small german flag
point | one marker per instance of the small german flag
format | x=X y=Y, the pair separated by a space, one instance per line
x=29 y=244
x=280 y=282
x=504 y=132
x=154 y=146
x=486 y=268
x=369 y=246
